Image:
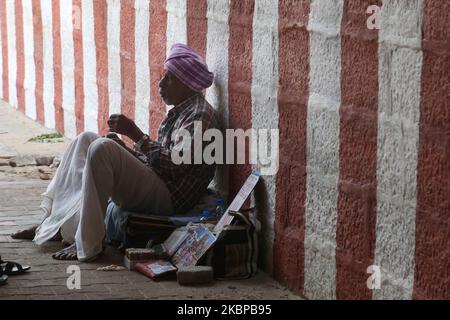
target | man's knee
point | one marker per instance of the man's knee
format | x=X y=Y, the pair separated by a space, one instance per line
x=88 y=136
x=101 y=148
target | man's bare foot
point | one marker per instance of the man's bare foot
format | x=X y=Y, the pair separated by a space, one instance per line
x=30 y=233
x=65 y=244
x=57 y=237
x=69 y=253
x=27 y=234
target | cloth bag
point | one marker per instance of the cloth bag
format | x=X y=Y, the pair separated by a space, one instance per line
x=235 y=252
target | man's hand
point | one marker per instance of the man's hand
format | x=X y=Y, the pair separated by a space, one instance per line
x=120 y=124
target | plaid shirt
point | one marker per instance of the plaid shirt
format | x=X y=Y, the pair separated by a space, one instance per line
x=187 y=183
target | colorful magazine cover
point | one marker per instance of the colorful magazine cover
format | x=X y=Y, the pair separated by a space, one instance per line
x=175 y=240
x=197 y=243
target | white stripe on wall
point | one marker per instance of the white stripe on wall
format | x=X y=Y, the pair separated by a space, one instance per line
x=323 y=148
x=217 y=54
x=90 y=67
x=114 y=80
x=48 y=85
x=12 y=55
x=217 y=39
x=400 y=64
x=30 y=67
x=68 y=68
x=265 y=110
x=176 y=22
x=142 y=112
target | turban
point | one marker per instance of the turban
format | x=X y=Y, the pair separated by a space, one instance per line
x=189 y=67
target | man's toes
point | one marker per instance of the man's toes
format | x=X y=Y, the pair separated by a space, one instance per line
x=66 y=254
x=58 y=255
x=18 y=235
x=72 y=256
x=69 y=256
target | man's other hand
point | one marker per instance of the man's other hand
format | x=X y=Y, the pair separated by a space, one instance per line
x=116 y=138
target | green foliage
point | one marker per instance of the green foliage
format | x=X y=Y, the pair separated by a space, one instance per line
x=48 y=138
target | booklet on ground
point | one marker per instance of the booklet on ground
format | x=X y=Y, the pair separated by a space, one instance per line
x=197 y=243
x=156 y=269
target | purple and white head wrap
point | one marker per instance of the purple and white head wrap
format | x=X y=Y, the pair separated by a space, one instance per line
x=189 y=67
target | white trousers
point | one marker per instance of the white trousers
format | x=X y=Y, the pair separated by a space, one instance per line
x=94 y=169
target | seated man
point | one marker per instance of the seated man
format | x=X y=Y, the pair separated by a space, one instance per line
x=95 y=169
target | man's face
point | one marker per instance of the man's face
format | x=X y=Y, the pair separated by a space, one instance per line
x=172 y=90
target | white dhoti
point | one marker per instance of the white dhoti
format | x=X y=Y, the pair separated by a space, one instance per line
x=92 y=170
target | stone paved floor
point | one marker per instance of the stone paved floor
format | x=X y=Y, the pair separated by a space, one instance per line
x=19 y=208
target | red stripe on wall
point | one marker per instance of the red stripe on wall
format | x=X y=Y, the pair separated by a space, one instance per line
x=101 y=46
x=240 y=80
x=127 y=57
x=38 y=38
x=79 y=64
x=293 y=93
x=157 y=52
x=432 y=256
x=4 y=35
x=355 y=235
x=57 y=67
x=197 y=25
x=20 y=56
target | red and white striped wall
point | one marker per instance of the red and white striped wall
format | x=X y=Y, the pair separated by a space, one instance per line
x=363 y=117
